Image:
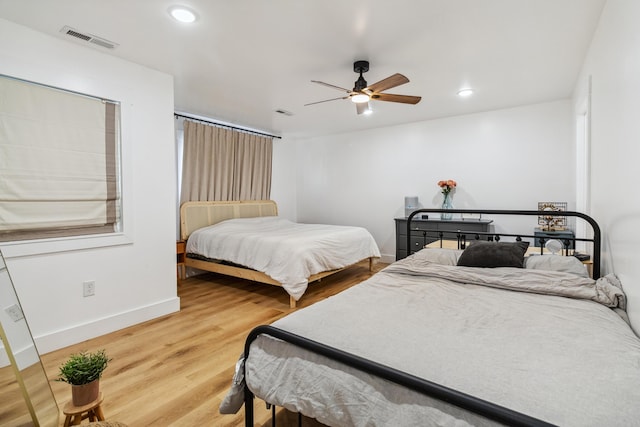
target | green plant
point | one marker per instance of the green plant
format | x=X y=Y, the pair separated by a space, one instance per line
x=82 y=368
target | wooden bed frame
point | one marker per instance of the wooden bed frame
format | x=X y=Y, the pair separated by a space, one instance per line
x=195 y=215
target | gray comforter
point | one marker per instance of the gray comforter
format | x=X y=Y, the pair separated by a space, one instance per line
x=547 y=344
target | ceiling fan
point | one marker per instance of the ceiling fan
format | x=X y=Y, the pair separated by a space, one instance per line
x=362 y=93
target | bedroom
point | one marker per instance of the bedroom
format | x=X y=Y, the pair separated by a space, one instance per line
x=139 y=283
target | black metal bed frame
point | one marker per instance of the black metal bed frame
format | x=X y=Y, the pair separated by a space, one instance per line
x=449 y=395
x=471 y=403
x=462 y=236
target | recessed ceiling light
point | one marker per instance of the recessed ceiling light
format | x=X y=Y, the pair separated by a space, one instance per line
x=465 y=92
x=182 y=14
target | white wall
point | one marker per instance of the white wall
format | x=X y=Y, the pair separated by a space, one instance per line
x=613 y=62
x=134 y=272
x=283 y=177
x=506 y=159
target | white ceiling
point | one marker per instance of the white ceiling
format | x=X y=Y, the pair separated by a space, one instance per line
x=244 y=59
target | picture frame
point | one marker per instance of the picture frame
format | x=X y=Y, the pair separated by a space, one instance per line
x=551 y=222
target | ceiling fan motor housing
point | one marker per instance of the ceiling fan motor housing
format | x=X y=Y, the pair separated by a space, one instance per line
x=360 y=67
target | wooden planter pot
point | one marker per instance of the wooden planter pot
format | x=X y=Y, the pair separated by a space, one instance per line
x=85 y=393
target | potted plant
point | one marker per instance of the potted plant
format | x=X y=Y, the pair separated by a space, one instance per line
x=83 y=371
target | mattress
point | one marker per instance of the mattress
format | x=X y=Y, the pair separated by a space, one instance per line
x=549 y=344
x=286 y=251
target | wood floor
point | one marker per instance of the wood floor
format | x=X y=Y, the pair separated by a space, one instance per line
x=175 y=370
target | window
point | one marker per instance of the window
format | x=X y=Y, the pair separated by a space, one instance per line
x=59 y=162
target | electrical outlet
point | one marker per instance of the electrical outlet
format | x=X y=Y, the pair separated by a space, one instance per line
x=14 y=312
x=89 y=288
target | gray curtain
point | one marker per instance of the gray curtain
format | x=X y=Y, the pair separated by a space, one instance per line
x=224 y=164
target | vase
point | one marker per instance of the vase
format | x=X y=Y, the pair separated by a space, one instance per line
x=85 y=393
x=447 y=204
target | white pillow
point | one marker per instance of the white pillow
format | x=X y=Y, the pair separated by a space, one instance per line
x=439 y=256
x=567 y=264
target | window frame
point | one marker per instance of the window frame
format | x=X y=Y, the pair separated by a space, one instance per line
x=122 y=231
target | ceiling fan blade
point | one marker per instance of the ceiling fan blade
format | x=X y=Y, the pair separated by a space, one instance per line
x=405 y=99
x=361 y=107
x=332 y=86
x=326 y=100
x=388 y=83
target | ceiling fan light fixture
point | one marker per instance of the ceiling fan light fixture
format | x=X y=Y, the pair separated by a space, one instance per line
x=182 y=14
x=360 y=98
x=367 y=110
x=465 y=92
x=362 y=92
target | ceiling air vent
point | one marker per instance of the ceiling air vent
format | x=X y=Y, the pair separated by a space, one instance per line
x=88 y=37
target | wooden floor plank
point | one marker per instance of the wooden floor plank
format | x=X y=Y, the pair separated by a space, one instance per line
x=175 y=370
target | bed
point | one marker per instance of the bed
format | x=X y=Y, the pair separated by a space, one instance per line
x=438 y=338
x=247 y=239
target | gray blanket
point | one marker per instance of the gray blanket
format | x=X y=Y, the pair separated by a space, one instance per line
x=542 y=343
x=606 y=290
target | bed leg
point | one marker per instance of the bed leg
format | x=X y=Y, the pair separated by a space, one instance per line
x=273 y=416
x=370 y=264
x=248 y=407
x=292 y=302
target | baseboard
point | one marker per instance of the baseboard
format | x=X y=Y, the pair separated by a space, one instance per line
x=4 y=359
x=24 y=357
x=78 y=333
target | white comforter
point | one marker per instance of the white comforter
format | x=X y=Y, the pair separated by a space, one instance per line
x=560 y=354
x=286 y=251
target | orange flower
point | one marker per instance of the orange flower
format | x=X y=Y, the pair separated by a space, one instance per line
x=447 y=185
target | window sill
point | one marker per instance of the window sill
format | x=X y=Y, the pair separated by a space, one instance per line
x=62 y=244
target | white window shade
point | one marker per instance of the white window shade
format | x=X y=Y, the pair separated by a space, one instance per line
x=59 y=169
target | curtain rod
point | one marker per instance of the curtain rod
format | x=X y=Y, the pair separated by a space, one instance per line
x=224 y=125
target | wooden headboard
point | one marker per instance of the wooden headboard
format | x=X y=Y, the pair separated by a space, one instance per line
x=194 y=215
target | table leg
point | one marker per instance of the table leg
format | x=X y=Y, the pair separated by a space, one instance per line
x=98 y=412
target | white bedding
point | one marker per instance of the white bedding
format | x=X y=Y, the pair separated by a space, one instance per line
x=549 y=345
x=286 y=251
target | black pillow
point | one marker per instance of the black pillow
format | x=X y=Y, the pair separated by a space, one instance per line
x=494 y=254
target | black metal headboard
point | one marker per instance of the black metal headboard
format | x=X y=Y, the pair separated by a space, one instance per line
x=465 y=234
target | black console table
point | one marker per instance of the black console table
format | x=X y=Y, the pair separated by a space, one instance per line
x=542 y=236
x=425 y=231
